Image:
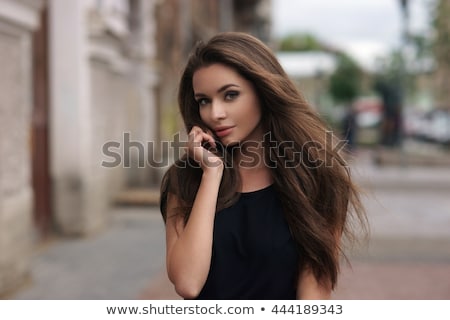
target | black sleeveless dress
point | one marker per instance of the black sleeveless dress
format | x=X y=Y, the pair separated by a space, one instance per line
x=254 y=254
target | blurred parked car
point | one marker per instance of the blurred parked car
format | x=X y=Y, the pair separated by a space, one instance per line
x=369 y=112
x=432 y=126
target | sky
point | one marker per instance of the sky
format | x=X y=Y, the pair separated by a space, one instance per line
x=363 y=28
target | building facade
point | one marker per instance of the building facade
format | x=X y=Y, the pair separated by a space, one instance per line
x=78 y=74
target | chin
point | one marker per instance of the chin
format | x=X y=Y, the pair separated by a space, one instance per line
x=230 y=143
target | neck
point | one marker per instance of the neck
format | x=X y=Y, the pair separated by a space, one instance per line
x=250 y=156
x=252 y=168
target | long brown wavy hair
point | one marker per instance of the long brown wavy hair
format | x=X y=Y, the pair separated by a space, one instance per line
x=318 y=196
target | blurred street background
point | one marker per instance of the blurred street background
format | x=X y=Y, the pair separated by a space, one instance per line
x=88 y=109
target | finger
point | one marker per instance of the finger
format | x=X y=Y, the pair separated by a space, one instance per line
x=211 y=139
x=198 y=135
x=207 y=137
x=196 y=129
x=195 y=136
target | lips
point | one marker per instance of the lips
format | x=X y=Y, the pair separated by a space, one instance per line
x=223 y=131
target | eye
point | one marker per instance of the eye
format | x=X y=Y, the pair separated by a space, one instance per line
x=231 y=95
x=202 y=101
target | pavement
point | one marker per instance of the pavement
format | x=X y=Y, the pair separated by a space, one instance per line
x=406 y=257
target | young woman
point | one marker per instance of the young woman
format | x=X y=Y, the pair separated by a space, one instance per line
x=258 y=206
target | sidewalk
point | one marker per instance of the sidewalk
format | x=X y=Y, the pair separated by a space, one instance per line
x=391 y=277
x=118 y=263
x=401 y=170
x=408 y=256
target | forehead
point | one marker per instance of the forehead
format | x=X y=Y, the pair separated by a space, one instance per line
x=214 y=76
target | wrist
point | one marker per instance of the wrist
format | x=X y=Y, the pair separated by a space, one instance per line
x=213 y=172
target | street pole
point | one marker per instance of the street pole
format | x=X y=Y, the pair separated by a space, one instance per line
x=404 y=5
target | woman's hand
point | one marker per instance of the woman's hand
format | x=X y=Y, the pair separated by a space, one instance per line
x=196 y=149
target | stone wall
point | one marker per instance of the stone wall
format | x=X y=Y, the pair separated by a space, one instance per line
x=100 y=90
x=17 y=21
x=101 y=86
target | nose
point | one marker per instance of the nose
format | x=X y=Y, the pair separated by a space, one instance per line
x=218 y=111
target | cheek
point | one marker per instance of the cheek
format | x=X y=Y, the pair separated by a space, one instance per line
x=203 y=114
x=254 y=112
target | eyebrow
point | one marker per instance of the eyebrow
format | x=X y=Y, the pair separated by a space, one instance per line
x=221 y=89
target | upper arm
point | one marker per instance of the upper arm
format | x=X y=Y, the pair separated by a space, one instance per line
x=174 y=225
x=309 y=288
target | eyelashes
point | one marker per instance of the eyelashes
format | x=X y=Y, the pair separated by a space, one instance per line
x=228 y=96
x=202 y=101
x=231 y=95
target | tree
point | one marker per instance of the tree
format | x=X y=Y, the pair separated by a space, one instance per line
x=344 y=87
x=301 y=42
x=345 y=82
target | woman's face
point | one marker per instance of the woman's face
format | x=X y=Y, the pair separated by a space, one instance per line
x=228 y=104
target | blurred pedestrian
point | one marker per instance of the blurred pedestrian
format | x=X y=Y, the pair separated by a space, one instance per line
x=349 y=129
x=258 y=206
x=391 y=125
